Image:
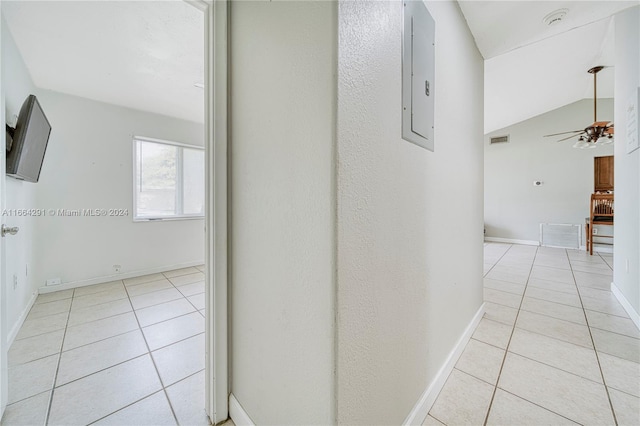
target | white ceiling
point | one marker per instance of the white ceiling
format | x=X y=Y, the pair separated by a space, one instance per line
x=145 y=55
x=148 y=54
x=532 y=68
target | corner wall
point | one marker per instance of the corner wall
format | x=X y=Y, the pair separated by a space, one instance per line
x=514 y=207
x=282 y=73
x=18 y=249
x=626 y=257
x=409 y=220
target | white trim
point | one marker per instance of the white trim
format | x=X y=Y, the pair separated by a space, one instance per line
x=599 y=248
x=4 y=348
x=123 y=276
x=635 y=317
x=166 y=142
x=23 y=316
x=511 y=241
x=420 y=411
x=216 y=205
x=237 y=413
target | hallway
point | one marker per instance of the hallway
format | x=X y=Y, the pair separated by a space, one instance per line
x=554 y=347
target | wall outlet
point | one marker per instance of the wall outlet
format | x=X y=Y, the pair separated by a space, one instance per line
x=626 y=266
x=595 y=231
x=15 y=281
x=117 y=268
x=54 y=281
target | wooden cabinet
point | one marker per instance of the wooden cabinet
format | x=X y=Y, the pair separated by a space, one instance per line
x=603 y=173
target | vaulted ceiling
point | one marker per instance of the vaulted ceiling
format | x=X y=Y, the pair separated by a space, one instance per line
x=532 y=67
x=148 y=54
x=145 y=55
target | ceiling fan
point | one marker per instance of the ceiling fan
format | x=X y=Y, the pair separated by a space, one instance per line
x=600 y=132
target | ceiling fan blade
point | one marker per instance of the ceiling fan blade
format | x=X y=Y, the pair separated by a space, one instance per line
x=568 y=137
x=563 y=133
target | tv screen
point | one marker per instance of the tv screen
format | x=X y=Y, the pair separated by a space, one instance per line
x=30 y=138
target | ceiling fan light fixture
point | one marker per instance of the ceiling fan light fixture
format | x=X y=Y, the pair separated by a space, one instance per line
x=555 y=17
x=580 y=144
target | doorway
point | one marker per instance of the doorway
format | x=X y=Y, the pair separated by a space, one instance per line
x=215 y=248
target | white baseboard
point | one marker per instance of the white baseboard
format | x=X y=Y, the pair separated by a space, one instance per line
x=599 y=249
x=23 y=316
x=635 y=317
x=420 y=411
x=511 y=241
x=107 y=278
x=237 y=413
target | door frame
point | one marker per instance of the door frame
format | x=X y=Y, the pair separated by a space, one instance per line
x=4 y=347
x=216 y=207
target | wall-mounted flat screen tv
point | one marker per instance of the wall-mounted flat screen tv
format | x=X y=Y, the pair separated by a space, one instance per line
x=27 y=143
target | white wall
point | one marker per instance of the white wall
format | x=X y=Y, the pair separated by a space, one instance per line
x=282 y=251
x=409 y=220
x=18 y=249
x=88 y=165
x=514 y=207
x=627 y=176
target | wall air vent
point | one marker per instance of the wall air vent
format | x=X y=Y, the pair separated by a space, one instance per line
x=560 y=235
x=499 y=139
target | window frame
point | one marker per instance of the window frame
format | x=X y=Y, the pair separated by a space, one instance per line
x=179 y=180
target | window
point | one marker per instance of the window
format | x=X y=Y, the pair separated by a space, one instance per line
x=169 y=180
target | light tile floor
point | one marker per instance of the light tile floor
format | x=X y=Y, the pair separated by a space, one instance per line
x=554 y=347
x=128 y=352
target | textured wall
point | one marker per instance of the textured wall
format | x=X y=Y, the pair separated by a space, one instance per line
x=409 y=220
x=513 y=207
x=282 y=254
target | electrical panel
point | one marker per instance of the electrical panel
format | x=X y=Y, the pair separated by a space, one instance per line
x=418 y=75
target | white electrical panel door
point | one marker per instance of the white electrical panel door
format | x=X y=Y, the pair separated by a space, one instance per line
x=418 y=75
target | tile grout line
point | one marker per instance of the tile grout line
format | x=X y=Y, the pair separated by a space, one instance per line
x=497 y=261
x=55 y=376
x=153 y=361
x=115 y=335
x=506 y=350
x=182 y=296
x=595 y=350
x=540 y=362
x=126 y=406
x=186 y=297
x=540 y=406
x=73 y=298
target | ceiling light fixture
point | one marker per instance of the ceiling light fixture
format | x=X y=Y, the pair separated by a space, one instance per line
x=597 y=134
x=555 y=17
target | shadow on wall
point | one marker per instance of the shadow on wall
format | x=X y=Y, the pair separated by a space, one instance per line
x=492 y=231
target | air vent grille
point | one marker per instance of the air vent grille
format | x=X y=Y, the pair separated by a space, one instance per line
x=499 y=139
x=560 y=235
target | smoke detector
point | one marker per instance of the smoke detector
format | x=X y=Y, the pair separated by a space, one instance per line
x=555 y=17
